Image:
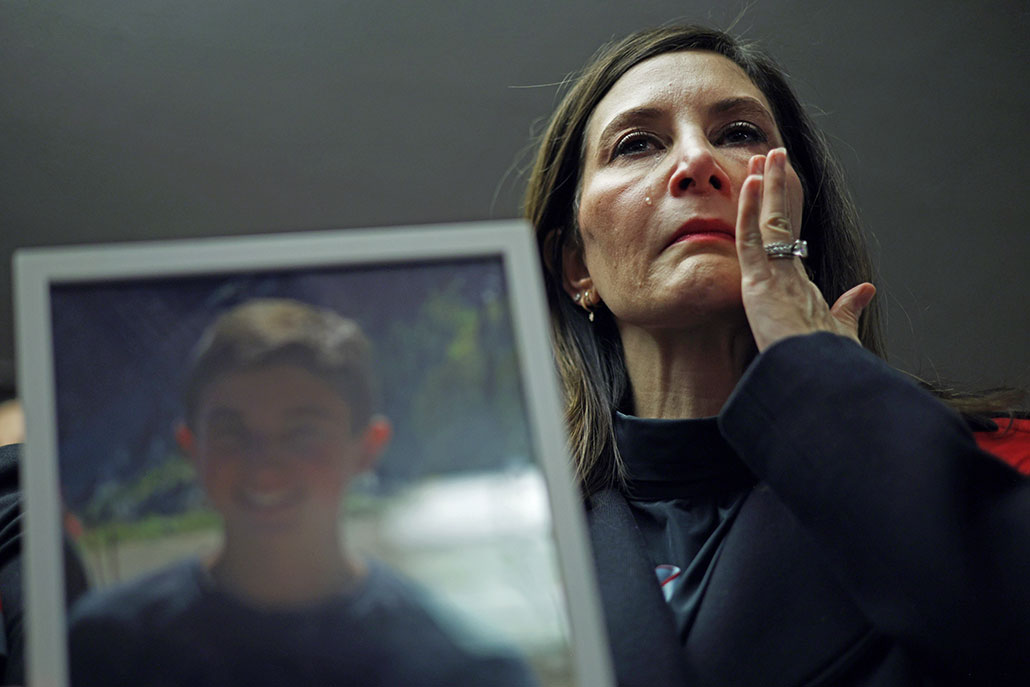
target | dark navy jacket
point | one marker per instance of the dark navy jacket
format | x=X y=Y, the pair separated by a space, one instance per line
x=880 y=546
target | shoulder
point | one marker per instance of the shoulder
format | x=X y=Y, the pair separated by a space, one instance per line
x=451 y=646
x=120 y=633
x=388 y=595
x=151 y=600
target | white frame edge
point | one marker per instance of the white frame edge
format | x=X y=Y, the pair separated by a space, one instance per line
x=43 y=564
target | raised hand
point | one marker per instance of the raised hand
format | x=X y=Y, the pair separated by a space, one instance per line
x=779 y=298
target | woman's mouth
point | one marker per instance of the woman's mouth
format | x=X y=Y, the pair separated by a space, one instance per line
x=704 y=229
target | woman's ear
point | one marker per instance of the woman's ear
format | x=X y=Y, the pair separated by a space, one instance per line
x=576 y=278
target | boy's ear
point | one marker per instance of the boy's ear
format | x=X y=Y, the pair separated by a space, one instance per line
x=575 y=275
x=374 y=441
x=186 y=439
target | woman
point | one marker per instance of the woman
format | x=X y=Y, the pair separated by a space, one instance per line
x=769 y=504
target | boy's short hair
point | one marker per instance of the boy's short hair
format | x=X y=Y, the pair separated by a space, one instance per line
x=272 y=331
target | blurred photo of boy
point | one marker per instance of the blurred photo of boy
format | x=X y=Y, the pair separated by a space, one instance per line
x=279 y=419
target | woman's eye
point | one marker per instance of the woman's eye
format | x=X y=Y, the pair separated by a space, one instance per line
x=741 y=134
x=635 y=143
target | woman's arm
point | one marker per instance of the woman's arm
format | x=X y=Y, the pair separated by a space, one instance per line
x=928 y=533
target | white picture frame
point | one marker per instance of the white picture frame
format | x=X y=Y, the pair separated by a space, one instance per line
x=45 y=274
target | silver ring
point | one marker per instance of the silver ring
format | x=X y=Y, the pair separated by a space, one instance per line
x=797 y=249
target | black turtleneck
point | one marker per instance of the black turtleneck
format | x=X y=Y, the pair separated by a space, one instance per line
x=685 y=487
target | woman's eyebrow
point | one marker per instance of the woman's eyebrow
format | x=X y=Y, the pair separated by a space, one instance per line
x=627 y=118
x=741 y=104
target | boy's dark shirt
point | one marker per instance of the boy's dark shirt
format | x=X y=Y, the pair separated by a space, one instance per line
x=173 y=627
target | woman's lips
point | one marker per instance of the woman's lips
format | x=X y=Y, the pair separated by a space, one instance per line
x=697 y=229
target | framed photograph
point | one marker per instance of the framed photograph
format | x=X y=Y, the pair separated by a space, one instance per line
x=308 y=458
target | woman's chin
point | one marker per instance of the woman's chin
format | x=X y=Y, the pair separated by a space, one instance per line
x=707 y=291
x=686 y=310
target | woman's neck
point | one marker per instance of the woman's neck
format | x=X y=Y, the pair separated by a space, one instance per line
x=685 y=373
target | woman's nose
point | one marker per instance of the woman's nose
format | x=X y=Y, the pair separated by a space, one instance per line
x=697 y=171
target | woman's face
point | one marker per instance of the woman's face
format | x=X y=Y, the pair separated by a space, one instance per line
x=666 y=152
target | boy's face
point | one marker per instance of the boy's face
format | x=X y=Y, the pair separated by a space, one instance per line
x=275 y=451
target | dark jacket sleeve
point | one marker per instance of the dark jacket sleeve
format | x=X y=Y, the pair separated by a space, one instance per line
x=930 y=535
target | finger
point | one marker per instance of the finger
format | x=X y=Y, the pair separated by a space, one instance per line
x=775 y=219
x=850 y=305
x=750 y=247
x=777 y=222
x=756 y=165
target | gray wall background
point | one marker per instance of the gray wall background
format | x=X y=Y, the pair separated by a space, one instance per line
x=145 y=119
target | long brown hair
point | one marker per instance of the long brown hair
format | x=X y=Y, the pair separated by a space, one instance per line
x=589 y=357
